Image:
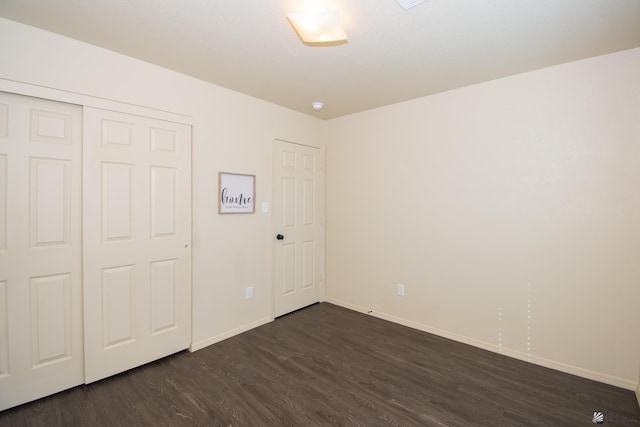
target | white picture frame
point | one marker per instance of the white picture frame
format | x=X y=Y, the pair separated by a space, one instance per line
x=236 y=193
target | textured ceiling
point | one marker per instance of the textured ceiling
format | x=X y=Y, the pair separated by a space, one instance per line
x=392 y=55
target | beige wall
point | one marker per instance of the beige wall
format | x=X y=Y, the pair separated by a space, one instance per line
x=231 y=132
x=509 y=209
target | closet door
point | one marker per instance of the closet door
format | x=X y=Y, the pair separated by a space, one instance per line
x=137 y=232
x=40 y=248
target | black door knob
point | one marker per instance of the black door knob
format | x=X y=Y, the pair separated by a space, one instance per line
x=280 y=237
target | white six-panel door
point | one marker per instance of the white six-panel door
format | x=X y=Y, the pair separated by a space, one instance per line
x=137 y=229
x=299 y=217
x=40 y=248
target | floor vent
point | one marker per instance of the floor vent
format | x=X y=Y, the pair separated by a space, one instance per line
x=407 y=4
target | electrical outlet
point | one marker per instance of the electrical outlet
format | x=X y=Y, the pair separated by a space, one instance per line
x=249 y=292
x=400 y=289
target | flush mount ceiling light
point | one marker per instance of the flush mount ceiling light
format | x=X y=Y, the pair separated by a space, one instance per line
x=318 y=26
x=317 y=105
x=406 y=4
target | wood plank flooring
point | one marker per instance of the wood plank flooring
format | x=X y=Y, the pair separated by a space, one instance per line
x=326 y=365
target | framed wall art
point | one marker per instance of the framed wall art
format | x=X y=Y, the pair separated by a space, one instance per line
x=236 y=193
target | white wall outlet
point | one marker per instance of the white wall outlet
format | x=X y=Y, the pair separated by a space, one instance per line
x=400 y=289
x=249 y=292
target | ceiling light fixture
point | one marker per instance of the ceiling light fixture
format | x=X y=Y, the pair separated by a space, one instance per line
x=407 y=4
x=318 y=26
x=317 y=105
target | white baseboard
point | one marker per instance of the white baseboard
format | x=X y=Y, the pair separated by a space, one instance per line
x=558 y=366
x=228 y=334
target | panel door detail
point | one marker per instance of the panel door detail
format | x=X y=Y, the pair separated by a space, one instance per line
x=298 y=210
x=41 y=341
x=137 y=234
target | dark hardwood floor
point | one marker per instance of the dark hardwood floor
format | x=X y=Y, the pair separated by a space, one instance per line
x=326 y=365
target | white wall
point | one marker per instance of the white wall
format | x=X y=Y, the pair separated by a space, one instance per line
x=231 y=132
x=509 y=209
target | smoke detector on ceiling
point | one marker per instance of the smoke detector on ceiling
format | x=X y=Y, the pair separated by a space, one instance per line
x=407 y=4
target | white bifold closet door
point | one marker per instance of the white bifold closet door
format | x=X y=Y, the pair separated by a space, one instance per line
x=40 y=248
x=137 y=249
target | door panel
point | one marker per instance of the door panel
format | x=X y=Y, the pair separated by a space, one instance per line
x=117 y=201
x=298 y=209
x=163 y=295
x=50 y=183
x=163 y=202
x=50 y=321
x=118 y=308
x=40 y=248
x=137 y=234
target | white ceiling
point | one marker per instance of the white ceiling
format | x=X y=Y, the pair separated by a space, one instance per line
x=392 y=55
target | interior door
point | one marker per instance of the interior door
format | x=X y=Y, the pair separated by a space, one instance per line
x=137 y=233
x=40 y=248
x=299 y=222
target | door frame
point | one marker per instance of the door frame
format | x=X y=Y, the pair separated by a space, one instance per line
x=27 y=89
